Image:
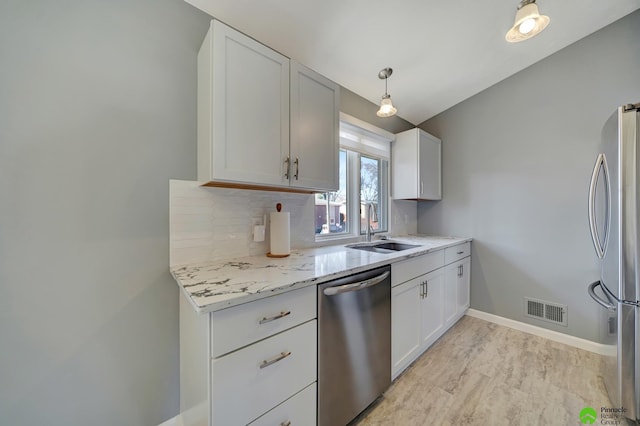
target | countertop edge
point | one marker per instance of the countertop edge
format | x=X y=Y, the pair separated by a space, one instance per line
x=251 y=297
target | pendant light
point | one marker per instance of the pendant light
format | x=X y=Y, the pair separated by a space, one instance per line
x=386 y=107
x=528 y=22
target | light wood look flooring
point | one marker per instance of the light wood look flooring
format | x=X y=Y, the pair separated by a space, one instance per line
x=481 y=373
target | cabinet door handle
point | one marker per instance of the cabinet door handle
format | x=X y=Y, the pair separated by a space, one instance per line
x=422 y=290
x=286 y=168
x=272 y=361
x=275 y=317
x=297 y=163
x=426 y=289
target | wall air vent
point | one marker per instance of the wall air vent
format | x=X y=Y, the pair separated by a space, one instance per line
x=546 y=311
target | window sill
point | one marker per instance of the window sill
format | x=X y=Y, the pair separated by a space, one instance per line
x=328 y=240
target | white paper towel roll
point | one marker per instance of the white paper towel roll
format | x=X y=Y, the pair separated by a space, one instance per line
x=280 y=233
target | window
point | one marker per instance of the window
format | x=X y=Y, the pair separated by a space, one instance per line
x=364 y=179
x=373 y=191
x=331 y=207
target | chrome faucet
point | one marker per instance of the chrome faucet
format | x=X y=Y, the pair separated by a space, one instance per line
x=371 y=215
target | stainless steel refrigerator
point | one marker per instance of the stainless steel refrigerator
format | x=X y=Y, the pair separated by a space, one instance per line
x=614 y=220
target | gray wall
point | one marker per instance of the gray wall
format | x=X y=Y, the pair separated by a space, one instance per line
x=517 y=160
x=97 y=112
x=359 y=107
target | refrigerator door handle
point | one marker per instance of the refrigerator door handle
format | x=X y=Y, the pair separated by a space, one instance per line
x=601 y=164
x=609 y=305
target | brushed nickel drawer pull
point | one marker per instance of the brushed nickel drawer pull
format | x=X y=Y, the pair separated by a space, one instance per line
x=426 y=289
x=287 y=423
x=275 y=317
x=460 y=252
x=280 y=357
x=297 y=163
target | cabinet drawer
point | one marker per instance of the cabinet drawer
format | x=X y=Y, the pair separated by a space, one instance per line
x=409 y=269
x=456 y=253
x=300 y=409
x=243 y=388
x=242 y=325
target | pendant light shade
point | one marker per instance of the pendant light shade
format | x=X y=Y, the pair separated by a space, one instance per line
x=528 y=22
x=386 y=107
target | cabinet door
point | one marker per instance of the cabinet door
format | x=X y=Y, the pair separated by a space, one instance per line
x=404 y=170
x=431 y=307
x=405 y=325
x=463 y=286
x=429 y=175
x=456 y=293
x=247 y=114
x=315 y=105
x=450 y=293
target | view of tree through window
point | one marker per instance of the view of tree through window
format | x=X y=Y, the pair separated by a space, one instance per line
x=370 y=192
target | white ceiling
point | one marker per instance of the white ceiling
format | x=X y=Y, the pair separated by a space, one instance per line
x=441 y=51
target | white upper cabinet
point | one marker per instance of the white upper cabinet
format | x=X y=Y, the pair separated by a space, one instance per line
x=315 y=126
x=416 y=166
x=243 y=109
x=250 y=98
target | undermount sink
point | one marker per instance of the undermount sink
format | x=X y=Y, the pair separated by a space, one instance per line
x=386 y=247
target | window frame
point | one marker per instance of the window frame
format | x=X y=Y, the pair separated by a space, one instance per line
x=374 y=143
x=383 y=176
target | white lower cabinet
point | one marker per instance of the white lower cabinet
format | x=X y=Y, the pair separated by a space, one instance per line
x=255 y=362
x=245 y=324
x=450 y=295
x=416 y=318
x=294 y=411
x=457 y=282
x=464 y=285
x=251 y=381
x=425 y=306
x=405 y=314
x=431 y=297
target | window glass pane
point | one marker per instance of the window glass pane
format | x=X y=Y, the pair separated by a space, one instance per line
x=331 y=207
x=370 y=192
x=373 y=190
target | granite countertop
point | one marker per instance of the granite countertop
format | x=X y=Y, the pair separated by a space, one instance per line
x=211 y=286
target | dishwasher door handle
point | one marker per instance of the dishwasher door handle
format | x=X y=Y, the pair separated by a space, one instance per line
x=331 y=291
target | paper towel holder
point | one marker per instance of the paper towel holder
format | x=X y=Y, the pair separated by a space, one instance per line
x=278 y=209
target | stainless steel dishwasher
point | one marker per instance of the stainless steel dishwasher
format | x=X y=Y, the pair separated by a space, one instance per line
x=354 y=344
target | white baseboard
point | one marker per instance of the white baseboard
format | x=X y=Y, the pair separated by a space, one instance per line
x=175 y=421
x=577 y=342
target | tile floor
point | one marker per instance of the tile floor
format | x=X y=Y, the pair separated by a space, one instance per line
x=480 y=373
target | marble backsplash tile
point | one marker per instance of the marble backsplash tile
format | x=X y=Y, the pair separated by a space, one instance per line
x=217 y=223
